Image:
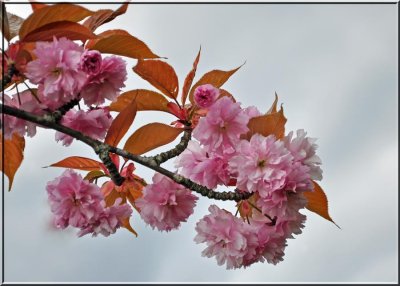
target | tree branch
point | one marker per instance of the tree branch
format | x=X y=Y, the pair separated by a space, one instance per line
x=99 y=147
x=165 y=156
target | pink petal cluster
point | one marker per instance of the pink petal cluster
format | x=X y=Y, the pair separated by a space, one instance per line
x=91 y=62
x=206 y=168
x=78 y=203
x=57 y=71
x=73 y=201
x=165 y=204
x=205 y=95
x=304 y=150
x=228 y=238
x=13 y=125
x=261 y=164
x=108 y=221
x=93 y=123
x=106 y=83
x=223 y=125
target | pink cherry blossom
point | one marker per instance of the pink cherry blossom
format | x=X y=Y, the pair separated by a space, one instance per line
x=91 y=62
x=206 y=168
x=228 y=238
x=73 y=201
x=106 y=83
x=165 y=204
x=205 y=95
x=252 y=111
x=261 y=164
x=221 y=128
x=108 y=221
x=57 y=70
x=303 y=150
x=93 y=123
x=13 y=125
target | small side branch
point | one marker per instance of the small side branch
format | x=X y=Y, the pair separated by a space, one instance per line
x=103 y=151
x=165 y=156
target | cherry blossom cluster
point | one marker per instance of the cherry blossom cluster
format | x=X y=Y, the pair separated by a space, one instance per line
x=276 y=171
x=78 y=203
x=64 y=71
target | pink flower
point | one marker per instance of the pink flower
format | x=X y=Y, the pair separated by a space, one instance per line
x=228 y=238
x=73 y=201
x=165 y=204
x=106 y=83
x=93 y=123
x=12 y=124
x=261 y=164
x=303 y=150
x=205 y=95
x=108 y=221
x=221 y=128
x=91 y=62
x=206 y=168
x=56 y=70
x=271 y=245
x=252 y=111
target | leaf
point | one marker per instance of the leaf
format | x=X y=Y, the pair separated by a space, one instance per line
x=14 y=23
x=223 y=92
x=151 y=136
x=13 y=153
x=160 y=75
x=95 y=174
x=120 y=42
x=318 y=202
x=215 y=77
x=273 y=109
x=51 y=14
x=37 y=5
x=103 y=16
x=78 y=163
x=121 y=124
x=145 y=100
x=189 y=79
x=68 y=29
x=267 y=124
x=126 y=224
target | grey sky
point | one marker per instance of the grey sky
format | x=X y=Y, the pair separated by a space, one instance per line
x=334 y=68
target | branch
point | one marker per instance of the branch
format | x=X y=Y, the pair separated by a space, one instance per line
x=100 y=147
x=165 y=156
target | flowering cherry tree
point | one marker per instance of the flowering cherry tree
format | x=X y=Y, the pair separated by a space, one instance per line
x=59 y=74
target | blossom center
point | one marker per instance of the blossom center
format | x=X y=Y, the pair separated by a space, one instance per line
x=261 y=163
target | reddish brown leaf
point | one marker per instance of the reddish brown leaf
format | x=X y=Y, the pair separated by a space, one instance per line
x=223 y=92
x=78 y=163
x=151 y=136
x=37 y=5
x=68 y=29
x=103 y=16
x=189 y=79
x=159 y=74
x=267 y=124
x=51 y=14
x=215 y=77
x=126 y=224
x=13 y=152
x=95 y=174
x=273 y=109
x=145 y=100
x=121 y=124
x=120 y=42
x=318 y=202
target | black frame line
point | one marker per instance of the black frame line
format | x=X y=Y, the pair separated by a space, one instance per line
x=4 y=2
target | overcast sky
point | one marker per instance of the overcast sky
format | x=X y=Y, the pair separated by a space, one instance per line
x=334 y=68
